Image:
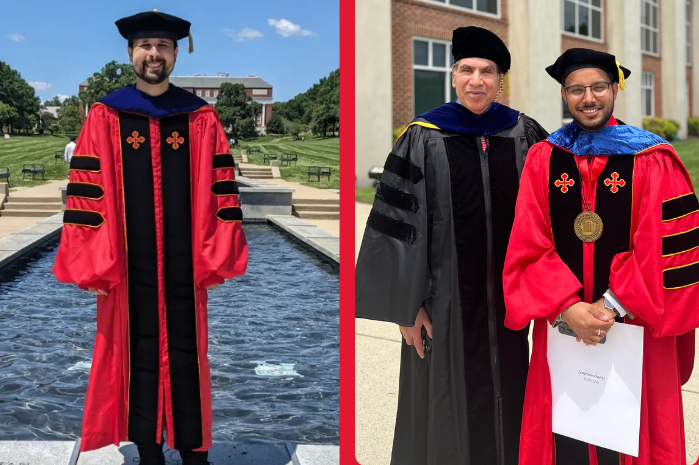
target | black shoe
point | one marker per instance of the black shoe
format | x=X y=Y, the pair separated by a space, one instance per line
x=194 y=458
x=151 y=454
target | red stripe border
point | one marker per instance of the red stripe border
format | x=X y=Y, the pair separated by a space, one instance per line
x=347 y=456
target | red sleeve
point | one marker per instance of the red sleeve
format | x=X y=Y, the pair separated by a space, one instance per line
x=658 y=279
x=536 y=282
x=88 y=254
x=220 y=245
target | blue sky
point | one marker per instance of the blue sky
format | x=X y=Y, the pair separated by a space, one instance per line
x=289 y=43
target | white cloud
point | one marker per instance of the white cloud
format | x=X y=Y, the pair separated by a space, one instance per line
x=244 y=35
x=39 y=86
x=287 y=28
x=62 y=97
x=15 y=37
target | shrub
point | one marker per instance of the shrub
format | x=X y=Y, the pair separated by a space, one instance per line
x=665 y=128
x=396 y=134
x=693 y=126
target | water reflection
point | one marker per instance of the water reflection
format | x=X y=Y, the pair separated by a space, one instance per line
x=273 y=347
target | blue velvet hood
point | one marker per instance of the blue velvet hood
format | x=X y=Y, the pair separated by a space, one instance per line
x=454 y=117
x=175 y=100
x=610 y=140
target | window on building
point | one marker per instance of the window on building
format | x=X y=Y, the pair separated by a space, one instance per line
x=648 y=93
x=432 y=62
x=479 y=6
x=215 y=93
x=583 y=18
x=649 y=27
x=206 y=93
x=688 y=28
x=198 y=93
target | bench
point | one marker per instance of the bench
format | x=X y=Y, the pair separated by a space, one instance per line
x=33 y=169
x=268 y=157
x=5 y=174
x=252 y=150
x=289 y=158
x=318 y=171
x=58 y=155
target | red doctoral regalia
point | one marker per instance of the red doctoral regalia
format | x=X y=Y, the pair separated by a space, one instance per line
x=153 y=218
x=648 y=256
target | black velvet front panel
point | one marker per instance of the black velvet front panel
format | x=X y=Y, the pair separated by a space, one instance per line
x=613 y=205
x=565 y=204
x=509 y=347
x=179 y=281
x=143 y=277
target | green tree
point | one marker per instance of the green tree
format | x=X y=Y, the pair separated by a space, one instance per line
x=54 y=102
x=7 y=115
x=245 y=128
x=70 y=118
x=112 y=77
x=275 y=125
x=18 y=94
x=235 y=107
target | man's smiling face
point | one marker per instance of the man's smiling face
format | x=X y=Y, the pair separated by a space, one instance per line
x=153 y=59
x=592 y=107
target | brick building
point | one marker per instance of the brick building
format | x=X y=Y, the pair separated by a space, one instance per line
x=403 y=59
x=207 y=87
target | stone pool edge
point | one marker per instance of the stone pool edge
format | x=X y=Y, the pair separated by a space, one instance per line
x=323 y=242
x=19 y=243
x=64 y=453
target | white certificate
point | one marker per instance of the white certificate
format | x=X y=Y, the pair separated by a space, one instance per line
x=596 y=390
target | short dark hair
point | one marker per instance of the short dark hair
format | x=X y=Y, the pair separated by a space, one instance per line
x=130 y=42
x=72 y=139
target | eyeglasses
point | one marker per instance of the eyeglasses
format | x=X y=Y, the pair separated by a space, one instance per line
x=599 y=89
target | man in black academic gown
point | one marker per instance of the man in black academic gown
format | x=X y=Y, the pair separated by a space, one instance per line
x=432 y=257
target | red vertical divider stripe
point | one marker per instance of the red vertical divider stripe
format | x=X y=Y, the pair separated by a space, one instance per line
x=347 y=233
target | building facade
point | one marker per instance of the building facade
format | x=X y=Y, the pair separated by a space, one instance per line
x=208 y=87
x=403 y=59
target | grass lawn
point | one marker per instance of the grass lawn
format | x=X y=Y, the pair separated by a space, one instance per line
x=364 y=194
x=18 y=150
x=688 y=150
x=311 y=152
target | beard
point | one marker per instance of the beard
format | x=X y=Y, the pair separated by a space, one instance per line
x=150 y=76
x=594 y=126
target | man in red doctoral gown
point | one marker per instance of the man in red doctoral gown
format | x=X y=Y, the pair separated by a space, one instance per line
x=644 y=261
x=152 y=221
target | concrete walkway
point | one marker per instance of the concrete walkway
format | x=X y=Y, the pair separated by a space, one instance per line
x=311 y=193
x=377 y=358
x=12 y=224
x=222 y=453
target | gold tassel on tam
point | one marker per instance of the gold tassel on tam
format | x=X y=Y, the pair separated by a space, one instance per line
x=622 y=85
x=191 y=43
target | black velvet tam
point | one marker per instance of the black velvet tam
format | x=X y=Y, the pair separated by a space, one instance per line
x=476 y=42
x=577 y=58
x=153 y=24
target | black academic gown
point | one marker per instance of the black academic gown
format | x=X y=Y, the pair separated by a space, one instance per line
x=436 y=237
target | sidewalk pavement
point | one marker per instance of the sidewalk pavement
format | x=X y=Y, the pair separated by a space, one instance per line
x=12 y=224
x=310 y=193
x=376 y=366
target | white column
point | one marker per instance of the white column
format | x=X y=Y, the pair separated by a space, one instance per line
x=672 y=53
x=373 y=86
x=624 y=39
x=264 y=115
x=534 y=41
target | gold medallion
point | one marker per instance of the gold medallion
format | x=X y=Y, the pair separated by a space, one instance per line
x=588 y=226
